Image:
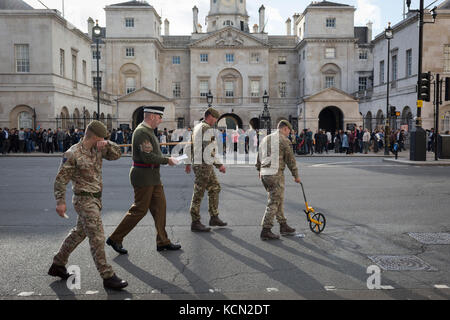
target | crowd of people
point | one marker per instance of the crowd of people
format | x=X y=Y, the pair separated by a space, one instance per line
x=358 y=140
x=306 y=142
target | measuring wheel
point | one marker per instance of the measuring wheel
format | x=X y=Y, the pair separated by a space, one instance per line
x=317 y=223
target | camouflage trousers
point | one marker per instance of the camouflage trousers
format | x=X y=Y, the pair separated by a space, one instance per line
x=89 y=225
x=275 y=204
x=205 y=179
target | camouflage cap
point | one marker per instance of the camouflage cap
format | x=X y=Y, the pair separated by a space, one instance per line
x=213 y=112
x=285 y=123
x=98 y=128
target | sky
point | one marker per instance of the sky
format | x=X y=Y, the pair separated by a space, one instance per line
x=179 y=12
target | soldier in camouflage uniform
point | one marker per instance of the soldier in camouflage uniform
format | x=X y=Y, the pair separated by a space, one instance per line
x=205 y=178
x=271 y=171
x=82 y=164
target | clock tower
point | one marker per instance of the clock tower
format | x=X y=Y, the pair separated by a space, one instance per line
x=224 y=13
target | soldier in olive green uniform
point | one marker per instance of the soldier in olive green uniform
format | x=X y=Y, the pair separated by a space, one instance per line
x=146 y=181
x=205 y=178
x=271 y=170
x=82 y=164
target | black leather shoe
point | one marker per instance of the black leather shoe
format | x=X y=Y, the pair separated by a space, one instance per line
x=58 y=271
x=117 y=247
x=169 y=247
x=114 y=283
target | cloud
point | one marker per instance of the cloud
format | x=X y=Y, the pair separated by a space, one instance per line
x=367 y=11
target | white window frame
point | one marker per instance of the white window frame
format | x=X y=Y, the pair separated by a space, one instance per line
x=255 y=57
x=130 y=87
x=395 y=67
x=330 y=53
x=255 y=88
x=447 y=58
x=330 y=22
x=229 y=57
x=204 y=58
x=229 y=89
x=22 y=58
x=203 y=88
x=408 y=62
x=363 y=55
x=330 y=82
x=362 y=83
x=282 y=89
x=382 y=74
x=176 y=60
x=96 y=81
x=62 y=62
x=129 y=52
x=129 y=22
x=176 y=89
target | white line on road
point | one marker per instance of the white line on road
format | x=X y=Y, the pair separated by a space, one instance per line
x=441 y=286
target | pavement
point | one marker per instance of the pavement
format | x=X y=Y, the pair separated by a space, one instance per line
x=373 y=209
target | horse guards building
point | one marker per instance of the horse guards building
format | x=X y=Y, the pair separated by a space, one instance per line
x=324 y=73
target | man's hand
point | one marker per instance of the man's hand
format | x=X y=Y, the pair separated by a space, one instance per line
x=172 y=162
x=188 y=169
x=61 y=209
x=101 y=144
x=297 y=180
x=223 y=169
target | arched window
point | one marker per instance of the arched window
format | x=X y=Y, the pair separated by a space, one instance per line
x=368 y=122
x=25 y=120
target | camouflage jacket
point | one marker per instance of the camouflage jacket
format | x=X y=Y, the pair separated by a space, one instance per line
x=200 y=138
x=84 y=168
x=274 y=165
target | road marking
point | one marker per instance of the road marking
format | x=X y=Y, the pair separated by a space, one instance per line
x=25 y=294
x=387 y=288
x=441 y=286
x=91 y=292
x=330 y=288
x=272 y=290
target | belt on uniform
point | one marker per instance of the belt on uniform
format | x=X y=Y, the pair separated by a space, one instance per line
x=97 y=195
x=145 y=165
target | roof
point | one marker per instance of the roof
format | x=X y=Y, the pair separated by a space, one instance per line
x=131 y=4
x=361 y=35
x=14 y=5
x=327 y=4
x=176 y=41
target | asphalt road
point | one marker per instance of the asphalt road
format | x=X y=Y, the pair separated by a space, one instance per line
x=370 y=206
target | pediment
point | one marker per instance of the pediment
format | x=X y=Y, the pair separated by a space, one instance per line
x=144 y=95
x=331 y=94
x=229 y=37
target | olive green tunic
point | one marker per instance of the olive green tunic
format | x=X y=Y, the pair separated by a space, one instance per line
x=146 y=150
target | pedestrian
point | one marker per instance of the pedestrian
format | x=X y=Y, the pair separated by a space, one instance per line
x=82 y=164
x=50 y=138
x=60 y=139
x=366 y=141
x=146 y=181
x=205 y=178
x=2 y=139
x=6 y=141
x=345 y=143
x=273 y=178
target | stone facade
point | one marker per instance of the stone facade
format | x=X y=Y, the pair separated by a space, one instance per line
x=45 y=71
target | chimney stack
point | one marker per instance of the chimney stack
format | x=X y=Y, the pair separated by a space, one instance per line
x=369 y=31
x=289 y=26
x=90 y=22
x=262 y=12
x=195 y=12
x=255 y=28
x=166 y=27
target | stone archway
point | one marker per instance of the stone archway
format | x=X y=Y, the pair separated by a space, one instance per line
x=368 y=121
x=229 y=121
x=76 y=118
x=407 y=117
x=380 y=119
x=21 y=115
x=331 y=119
x=65 y=118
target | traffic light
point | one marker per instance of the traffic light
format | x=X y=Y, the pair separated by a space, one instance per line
x=393 y=112
x=447 y=89
x=425 y=86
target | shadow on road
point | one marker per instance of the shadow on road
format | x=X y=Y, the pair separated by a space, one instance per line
x=61 y=290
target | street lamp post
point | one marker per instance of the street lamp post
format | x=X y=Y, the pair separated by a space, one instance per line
x=210 y=99
x=265 y=117
x=388 y=34
x=97 y=31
